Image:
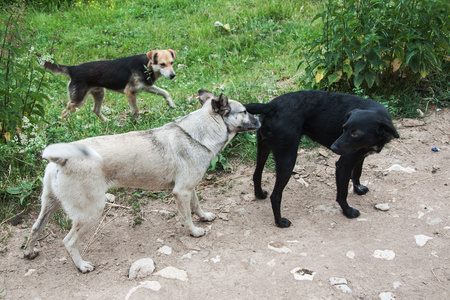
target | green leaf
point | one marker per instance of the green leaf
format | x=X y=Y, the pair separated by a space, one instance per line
x=370 y=78
x=358 y=79
x=360 y=66
x=333 y=77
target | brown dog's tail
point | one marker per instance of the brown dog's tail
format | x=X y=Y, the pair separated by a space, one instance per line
x=55 y=68
x=258 y=108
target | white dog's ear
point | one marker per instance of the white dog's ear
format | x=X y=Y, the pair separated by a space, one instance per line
x=204 y=95
x=220 y=105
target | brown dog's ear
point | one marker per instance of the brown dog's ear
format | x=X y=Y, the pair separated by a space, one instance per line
x=173 y=52
x=220 y=105
x=152 y=58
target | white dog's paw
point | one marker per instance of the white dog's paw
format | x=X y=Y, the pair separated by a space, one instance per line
x=30 y=254
x=208 y=217
x=197 y=232
x=85 y=266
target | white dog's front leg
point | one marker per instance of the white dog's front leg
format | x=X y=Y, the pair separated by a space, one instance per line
x=195 y=206
x=183 y=199
x=159 y=91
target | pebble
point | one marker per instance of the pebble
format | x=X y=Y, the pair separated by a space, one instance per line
x=141 y=268
x=397 y=167
x=421 y=239
x=173 y=273
x=350 y=254
x=279 y=247
x=110 y=198
x=340 y=284
x=384 y=254
x=434 y=221
x=386 y=296
x=165 y=250
x=382 y=206
x=189 y=255
x=151 y=285
x=30 y=271
x=303 y=274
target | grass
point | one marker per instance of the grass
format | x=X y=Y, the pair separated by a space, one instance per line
x=254 y=61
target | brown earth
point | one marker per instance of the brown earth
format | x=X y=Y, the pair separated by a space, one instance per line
x=245 y=256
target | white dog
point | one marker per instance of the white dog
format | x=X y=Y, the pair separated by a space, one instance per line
x=174 y=156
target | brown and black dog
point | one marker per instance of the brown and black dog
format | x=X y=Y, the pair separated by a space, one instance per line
x=127 y=75
x=350 y=126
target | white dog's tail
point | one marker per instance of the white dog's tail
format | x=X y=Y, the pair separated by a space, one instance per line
x=61 y=153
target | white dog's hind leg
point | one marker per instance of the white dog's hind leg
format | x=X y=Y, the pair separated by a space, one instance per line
x=195 y=207
x=49 y=204
x=83 y=221
x=183 y=199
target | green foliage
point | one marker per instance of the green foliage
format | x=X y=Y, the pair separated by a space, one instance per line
x=378 y=44
x=21 y=79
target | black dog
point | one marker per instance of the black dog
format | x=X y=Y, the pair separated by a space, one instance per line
x=350 y=126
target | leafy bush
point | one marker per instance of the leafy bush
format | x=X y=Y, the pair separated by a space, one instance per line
x=381 y=43
x=21 y=78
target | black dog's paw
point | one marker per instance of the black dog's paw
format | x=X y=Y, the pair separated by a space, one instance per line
x=283 y=223
x=360 y=189
x=351 y=213
x=262 y=195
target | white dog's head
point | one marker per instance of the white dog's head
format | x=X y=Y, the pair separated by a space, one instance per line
x=161 y=61
x=234 y=114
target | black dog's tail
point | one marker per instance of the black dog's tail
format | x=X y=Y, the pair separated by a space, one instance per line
x=258 y=108
x=55 y=68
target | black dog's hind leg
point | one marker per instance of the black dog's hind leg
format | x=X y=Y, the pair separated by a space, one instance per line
x=344 y=167
x=262 y=155
x=285 y=162
x=356 y=174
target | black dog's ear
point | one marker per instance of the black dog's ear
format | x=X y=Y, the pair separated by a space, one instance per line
x=388 y=129
x=204 y=95
x=220 y=105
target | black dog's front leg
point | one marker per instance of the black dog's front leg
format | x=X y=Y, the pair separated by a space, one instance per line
x=344 y=167
x=356 y=174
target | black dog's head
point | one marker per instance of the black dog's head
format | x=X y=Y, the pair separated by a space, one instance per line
x=364 y=129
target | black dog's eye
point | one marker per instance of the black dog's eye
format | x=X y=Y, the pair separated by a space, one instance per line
x=354 y=133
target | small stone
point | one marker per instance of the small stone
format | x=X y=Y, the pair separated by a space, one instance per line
x=434 y=221
x=173 y=273
x=382 y=206
x=384 y=254
x=165 y=250
x=110 y=198
x=30 y=271
x=189 y=255
x=397 y=167
x=421 y=239
x=386 y=296
x=303 y=274
x=279 y=247
x=216 y=259
x=141 y=268
x=350 y=254
x=151 y=285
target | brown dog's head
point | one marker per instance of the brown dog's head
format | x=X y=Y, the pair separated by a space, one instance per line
x=161 y=62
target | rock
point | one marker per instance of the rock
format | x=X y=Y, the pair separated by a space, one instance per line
x=340 y=284
x=141 y=268
x=173 y=273
x=350 y=254
x=397 y=167
x=110 y=198
x=216 y=259
x=302 y=182
x=189 y=255
x=303 y=274
x=151 y=285
x=421 y=239
x=386 y=296
x=384 y=254
x=434 y=221
x=29 y=272
x=165 y=250
x=279 y=247
x=382 y=206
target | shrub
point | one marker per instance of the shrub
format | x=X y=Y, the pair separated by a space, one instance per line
x=378 y=43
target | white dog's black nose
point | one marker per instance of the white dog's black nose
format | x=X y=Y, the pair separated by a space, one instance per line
x=172 y=75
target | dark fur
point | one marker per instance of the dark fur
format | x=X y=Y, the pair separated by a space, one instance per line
x=350 y=126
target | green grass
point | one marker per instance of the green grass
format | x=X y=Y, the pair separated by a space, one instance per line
x=252 y=62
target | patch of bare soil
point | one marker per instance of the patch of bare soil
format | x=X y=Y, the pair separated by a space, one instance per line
x=400 y=253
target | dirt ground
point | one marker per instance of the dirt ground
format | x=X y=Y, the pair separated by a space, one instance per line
x=401 y=253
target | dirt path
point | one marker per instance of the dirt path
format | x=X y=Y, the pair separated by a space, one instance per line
x=402 y=252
